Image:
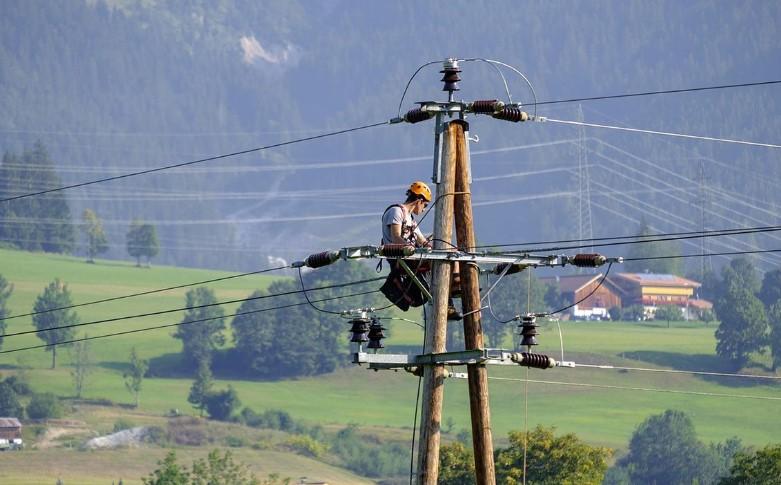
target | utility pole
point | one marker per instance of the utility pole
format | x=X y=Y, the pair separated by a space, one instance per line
x=436 y=327
x=473 y=329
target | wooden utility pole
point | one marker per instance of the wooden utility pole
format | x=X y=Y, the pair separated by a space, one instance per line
x=473 y=330
x=436 y=326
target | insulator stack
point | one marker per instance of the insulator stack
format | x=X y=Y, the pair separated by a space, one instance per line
x=319 y=260
x=359 y=327
x=528 y=332
x=538 y=361
x=376 y=334
x=487 y=106
x=588 y=260
x=417 y=115
x=396 y=250
x=514 y=268
x=511 y=113
x=450 y=76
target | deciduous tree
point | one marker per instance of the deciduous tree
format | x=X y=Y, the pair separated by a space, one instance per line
x=9 y=401
x=550 y=459
x=201 y=387
x=92 y=227
x=134 y=376
x=81 y=363
x=760 y=467
x=6 y=289
x=54 y=326
x=205 y=334
x=141 y=241
x=665 y=449
x=456 y=465
x=774 y=320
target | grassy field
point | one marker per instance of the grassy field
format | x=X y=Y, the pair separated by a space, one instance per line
x=607 y=416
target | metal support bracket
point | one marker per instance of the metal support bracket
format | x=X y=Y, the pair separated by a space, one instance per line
x=464 y=357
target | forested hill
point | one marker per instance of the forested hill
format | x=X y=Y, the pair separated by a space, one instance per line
x=115 y=86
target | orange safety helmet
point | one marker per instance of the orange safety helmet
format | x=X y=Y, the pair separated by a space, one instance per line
x=420 y=188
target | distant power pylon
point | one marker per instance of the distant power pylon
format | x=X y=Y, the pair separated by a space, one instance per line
x=585 y=229
x=706 y=263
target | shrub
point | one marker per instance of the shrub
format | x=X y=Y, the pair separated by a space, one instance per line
x=44 y=406
x=156 y=435
x=19 y=385
x=234 y=442
x=307 y=446
x=122 y=424
x=9 y=402
x=221 y=404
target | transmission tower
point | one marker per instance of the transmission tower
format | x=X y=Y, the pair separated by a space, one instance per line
x=585 y=230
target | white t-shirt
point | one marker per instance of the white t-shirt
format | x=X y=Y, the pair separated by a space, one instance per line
x=396 y=215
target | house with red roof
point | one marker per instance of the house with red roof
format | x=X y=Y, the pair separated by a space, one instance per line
x=625 y=289
x=597 y=299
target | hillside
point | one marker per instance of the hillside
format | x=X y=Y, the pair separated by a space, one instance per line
x=111 y=86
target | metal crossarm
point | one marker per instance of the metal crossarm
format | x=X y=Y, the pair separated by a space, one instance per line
x=464 y=357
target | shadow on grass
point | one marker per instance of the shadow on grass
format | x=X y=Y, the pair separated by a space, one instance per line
x=699 y=363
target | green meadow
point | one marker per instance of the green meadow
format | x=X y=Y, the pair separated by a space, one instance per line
x=602 y=406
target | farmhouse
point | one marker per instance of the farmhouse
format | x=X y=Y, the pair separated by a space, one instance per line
x=576 y=287
x=10 y=434
x=652 y=290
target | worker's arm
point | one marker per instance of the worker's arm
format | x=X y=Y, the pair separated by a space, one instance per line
x=395 y=232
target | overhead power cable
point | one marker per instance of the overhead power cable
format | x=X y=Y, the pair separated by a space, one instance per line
x=157 y=327
x=193 y=162
x=162 y=312
x=653 y=93
x=663 y=133
x=646 y=389
x=717 y=232
x=651 y=239
x=148 y=292
x=676 y=371
x=726 y=253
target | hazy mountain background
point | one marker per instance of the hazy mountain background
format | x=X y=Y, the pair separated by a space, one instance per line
x=119 y=86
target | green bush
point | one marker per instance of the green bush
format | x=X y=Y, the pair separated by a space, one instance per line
x=307 y=446
x=234 y=442
x=19 y=385
x=122 y=424
x=156 y=435
x=44 y=406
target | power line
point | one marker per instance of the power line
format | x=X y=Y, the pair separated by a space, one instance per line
x=162 y=312
x=664 y=133
x=192 y=162
x=146 y=329
x=149 y=292
x=693 y=235
x=652 y=93
x=715 y=232
x=121 y=297
x=646 y=389
x=676 y=371
x=727 y=253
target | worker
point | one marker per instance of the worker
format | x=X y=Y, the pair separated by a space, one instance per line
x=399 y=227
